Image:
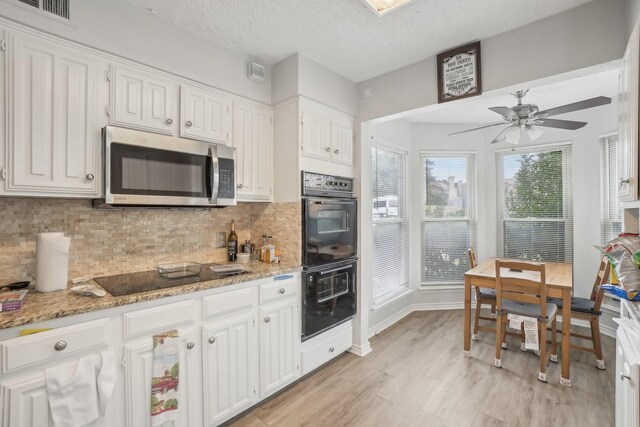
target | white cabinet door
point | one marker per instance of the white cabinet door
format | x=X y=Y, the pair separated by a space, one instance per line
x=53 y=146
x=341 y=143
x=627 y=381
x=230 y=367
x=253 y=139
x=316 y=135
x=24 y=402
x=279 y=345
x=628 y=120
x=138 y=359
x=142 y=100
x=205 y=115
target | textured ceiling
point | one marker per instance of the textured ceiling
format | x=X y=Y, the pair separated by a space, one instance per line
x=345 y=35
x=475 y=110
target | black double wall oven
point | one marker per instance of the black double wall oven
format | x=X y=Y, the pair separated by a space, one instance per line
x=329 y=249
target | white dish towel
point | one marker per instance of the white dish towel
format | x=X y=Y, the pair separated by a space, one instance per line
x=79 y=391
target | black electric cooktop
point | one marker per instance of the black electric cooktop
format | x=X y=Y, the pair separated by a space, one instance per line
x=133 y=283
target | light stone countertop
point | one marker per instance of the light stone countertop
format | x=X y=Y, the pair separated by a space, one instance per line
x=41 y=306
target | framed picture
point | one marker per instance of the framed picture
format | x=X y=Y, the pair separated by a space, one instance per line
x=459 y=73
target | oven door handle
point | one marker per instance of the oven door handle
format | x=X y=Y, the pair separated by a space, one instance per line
x=333 y=296
x=346 y=267
x=215 y=175
x=334 y=203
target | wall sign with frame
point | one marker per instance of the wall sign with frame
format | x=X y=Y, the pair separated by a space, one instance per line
x=459 y=73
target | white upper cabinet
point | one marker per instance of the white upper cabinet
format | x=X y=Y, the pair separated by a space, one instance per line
x=628 y=119
x=142 y=100
x=342 y=143
x=327 y=134
x=253 y=140
x=316 y=135
x=53 y=140
x=205 y=115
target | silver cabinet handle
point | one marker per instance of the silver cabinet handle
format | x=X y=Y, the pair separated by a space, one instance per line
x=239 y=185
x=169 y=122
x=188 y=124
x=212 y=340
x=336 y=151
x=282 y=291
x=190 y=345
x=60 y=345
x=332 y=349
x=328 y=149
x=267 y=319
x=624 y=376
x=90 y=177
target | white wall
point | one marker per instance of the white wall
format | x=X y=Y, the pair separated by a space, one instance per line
x=589 y=35
x=122 y=29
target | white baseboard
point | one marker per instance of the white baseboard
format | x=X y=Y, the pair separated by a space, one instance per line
x=390 y=321
x=434 y=306
x=361 y=351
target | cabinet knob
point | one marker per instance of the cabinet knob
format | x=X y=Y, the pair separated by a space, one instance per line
x=190 y=345
x=332 y=349
x=188 y=124
x=624 y=376
x=239 y=185
x=336 y=151
x=90 y=177
x=169 y=122
x=267 y=319
x=282 y=291
x=212 y=340
x=328 y=149
x=60 y=345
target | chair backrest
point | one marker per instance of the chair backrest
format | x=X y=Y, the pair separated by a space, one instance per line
x=472 y=264
x=526 y=284
x=597 y=293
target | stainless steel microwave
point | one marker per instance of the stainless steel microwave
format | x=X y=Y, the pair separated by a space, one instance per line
x=143 y=168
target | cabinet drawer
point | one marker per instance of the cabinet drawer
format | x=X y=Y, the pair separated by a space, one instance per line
x=25 y=351
x=227 y=302
x=284 y=286
x=315 y=354
x=158 y=319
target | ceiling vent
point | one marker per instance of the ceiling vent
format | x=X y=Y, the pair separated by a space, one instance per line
x=255 y=72
x=55 y=7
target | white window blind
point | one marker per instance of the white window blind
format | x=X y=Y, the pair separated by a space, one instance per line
x=610 y=208
x=390 y=227
x=535 y=218
x=449 y=225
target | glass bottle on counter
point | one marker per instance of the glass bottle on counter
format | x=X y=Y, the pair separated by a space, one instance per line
x=263 y=249
x=232 y=244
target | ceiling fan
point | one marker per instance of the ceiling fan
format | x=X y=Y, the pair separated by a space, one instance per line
x=524 y=119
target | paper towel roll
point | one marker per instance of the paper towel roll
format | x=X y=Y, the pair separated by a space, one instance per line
x=52 y=261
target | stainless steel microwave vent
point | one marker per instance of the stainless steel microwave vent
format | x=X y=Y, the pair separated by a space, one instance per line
x=56 y=7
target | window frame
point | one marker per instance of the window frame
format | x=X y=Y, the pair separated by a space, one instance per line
x=605 y=196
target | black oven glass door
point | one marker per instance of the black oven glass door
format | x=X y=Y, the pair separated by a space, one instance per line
x=329 y=298
x=329 y=229
x=152 y=172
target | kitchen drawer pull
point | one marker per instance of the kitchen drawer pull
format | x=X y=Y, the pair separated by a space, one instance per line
x=239 y=185
x=624 y=376
x=60 y=345
x=332 y=349
x=90 y=177
x=188 y=124
x=190 y=345
x=337 y=151
x=212 y=340
x=282 y=291
x=328 y=149
x=169 y=122
x=267 y=319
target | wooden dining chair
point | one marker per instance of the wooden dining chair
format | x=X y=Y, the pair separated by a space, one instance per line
x=523 y=292
x=589 y=309
x=484 y=296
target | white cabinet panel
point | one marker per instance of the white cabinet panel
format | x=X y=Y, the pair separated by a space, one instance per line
x=144 y=101
x=279 y=345
x=53 y=145
x=316 y=135
x=24 y=402
x=341 y=143
x=205 y=115
x=627 y=379
x=230 y=367
x=253 y=139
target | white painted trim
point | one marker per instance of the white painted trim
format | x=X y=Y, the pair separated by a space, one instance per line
x=376 y=329
x=437 y=306
x=440 y=288
x=361 y=351
x=539 y=147
x=393 y=298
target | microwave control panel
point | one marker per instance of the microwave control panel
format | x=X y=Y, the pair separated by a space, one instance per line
x=316 y=184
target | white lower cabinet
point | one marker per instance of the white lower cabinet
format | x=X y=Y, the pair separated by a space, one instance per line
x=24 y=402
x=322 y=348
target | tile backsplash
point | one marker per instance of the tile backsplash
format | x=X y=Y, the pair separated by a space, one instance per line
x=125 y=240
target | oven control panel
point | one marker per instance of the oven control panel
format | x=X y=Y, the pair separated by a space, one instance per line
x=317 y=184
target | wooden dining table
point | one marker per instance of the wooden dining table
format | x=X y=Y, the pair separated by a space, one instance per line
x=559 y=278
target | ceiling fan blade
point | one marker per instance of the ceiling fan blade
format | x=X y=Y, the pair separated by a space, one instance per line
x=505 y=112
x=560 y=124
x=481 y=127
x=500 y=138
x=581 y=105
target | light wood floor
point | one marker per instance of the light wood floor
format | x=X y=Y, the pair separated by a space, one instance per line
x=417 y=376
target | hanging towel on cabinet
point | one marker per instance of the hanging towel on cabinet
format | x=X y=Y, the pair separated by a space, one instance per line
x=165 y=377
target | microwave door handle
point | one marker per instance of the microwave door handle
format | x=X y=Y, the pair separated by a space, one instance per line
x=215 y=176
x=333 y=203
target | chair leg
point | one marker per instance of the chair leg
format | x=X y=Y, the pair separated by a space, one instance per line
x=493 y=311
x=504 y=331
x=554 y=341
x=498 y=360
x=474 y=337
x=542 y=375
x=597 y=346
x=523 y=345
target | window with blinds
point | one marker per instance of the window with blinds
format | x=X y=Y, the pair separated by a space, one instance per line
x=449 y=216
x=390 y=226
x=535 y=213
x=610 y=209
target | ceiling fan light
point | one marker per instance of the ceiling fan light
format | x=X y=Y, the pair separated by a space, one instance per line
x=534 y=132
x=382 y=7
x=512 y=135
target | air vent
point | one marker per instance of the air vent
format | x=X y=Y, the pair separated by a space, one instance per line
x=55 y=7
